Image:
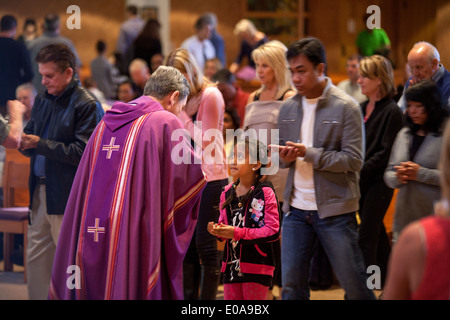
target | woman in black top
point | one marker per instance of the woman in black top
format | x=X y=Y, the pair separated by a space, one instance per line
x=382 y=120
x=147 y=43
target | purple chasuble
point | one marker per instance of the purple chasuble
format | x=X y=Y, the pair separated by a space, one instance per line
x=132 y=212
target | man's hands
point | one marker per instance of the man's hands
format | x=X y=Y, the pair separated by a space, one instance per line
x=291 y=151
x=29 y=141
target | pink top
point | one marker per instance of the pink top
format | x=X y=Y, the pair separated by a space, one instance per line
x=435 y=283
x=207 y=132
x=271 y=217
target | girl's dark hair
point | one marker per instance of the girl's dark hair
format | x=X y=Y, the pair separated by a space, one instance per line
x=426 y=93
x=132 y=85
x=254 y=147
x=234 y=117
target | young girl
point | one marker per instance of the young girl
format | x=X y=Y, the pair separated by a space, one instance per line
x=249 y=220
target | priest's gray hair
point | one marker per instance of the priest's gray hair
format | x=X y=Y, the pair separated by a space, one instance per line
x=166 y=80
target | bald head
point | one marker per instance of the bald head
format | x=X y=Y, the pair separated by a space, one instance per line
x=423 y=60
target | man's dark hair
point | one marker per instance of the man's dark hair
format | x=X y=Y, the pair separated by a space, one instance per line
x=311 y=48
x=101 y=46
x=132 y=10
x=224 y=76
x=58 y=53
x=201 y=22
x=133 y=86
x=8 y=23
x=29 y=21
x=427 y=94
x=51 y=22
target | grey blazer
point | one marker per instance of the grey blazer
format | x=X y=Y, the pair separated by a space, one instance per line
x=337 y=154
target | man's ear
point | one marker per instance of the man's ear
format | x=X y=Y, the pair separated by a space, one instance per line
x=174 y=97
x=69 y=72
x=321 y=69
x=434 y=63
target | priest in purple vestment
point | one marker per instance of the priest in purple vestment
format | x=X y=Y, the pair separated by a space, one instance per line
x=134 y=202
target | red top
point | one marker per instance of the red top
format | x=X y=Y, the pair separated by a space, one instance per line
x=435 y=284
x=240 y=102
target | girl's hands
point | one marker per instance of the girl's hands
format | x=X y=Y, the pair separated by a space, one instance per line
x=221 y=230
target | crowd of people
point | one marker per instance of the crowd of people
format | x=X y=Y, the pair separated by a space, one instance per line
x=309 y=169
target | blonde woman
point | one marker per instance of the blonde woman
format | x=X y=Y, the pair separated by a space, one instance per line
x=251 y=39
x=382 y=121
x=263 y=104
x=204 y=110
x=419 y=268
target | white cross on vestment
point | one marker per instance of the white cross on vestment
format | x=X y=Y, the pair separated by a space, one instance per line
x=96 y=229
x=110 y=148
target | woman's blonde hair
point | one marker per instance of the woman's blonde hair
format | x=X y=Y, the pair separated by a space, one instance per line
x=377 y=66
x=184 y=61
x=274 y=54
x=245 y=26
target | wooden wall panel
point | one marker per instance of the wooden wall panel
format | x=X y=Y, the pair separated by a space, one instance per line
x=100 y=19
x=416 y=21
x=405 y=21
x=443 y=31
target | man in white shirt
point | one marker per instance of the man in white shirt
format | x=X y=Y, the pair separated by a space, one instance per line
x=351 y=85
x=199 y=44
x=322 y=138
x=129 y=30
x=304 y=187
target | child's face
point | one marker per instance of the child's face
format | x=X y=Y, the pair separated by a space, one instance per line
x=227 y=123
x=210 y=69
x=243 y=164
